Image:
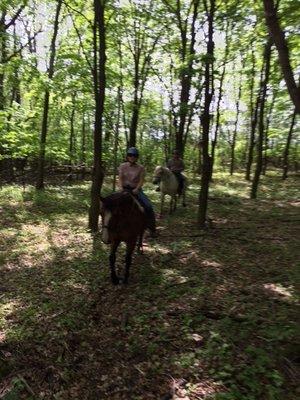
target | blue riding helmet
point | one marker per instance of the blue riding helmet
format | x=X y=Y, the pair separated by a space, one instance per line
x=133 y=151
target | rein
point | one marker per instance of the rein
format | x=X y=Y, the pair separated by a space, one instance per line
x=137 y=203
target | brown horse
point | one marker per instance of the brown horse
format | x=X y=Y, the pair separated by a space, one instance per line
x=123 y=220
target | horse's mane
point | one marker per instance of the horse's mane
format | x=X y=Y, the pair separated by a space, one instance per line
x=163 y=168
x=118 y=200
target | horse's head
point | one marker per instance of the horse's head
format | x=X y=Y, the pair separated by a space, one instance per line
x=106 y=215
x=157 y=175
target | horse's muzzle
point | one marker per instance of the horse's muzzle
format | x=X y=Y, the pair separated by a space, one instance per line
x=105 y=236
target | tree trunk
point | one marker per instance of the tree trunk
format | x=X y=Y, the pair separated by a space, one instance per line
x=16 y=93
x=205 y=120
x=83 y=141
x=266 y=137
x=283 y=51
x=186 y=80
x=42 y=152
x=116 y=139
x=253 y=114
x=72 y=142
x=2 y=56
x=134 y=116
x=99 y=93
x=287 y=148
x=121 y=100
x=261 y=128
x=237 y=106
x=142 y=52
x=215 y=139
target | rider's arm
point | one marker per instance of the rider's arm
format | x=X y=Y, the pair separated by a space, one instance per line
x=140 y=183
x=120 y=182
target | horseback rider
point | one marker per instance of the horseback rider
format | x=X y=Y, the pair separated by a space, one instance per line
x=131 y=177
x=176 y=165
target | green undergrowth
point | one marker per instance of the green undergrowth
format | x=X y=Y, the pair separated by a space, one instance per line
x=206 y=315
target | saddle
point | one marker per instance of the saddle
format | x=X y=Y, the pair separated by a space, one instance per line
x=180 y=179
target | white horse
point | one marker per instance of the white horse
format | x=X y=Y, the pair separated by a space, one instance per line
x=168 y=184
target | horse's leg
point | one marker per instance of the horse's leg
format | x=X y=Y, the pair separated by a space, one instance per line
x=171 y=205
x=129 y=250
x=162 y=199
x=112 y=262
x=140 y=243
x=183 y=198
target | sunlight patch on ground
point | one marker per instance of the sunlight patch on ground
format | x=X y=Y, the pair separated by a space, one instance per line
x=228 y=190
x=77 y=286
x=204 y=389
x=198 y=339
x=173 y=276
x=192 y=257
x=212 y=264
x=294 y=203
x=6 y=310
x=35 y=238
x=157 y=248
x=279 y=290
x=2 y=337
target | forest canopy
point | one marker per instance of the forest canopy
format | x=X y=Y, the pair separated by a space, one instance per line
x=80 y=81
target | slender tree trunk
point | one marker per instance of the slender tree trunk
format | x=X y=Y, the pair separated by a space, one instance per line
x=2 y=56
x=205 y=119
x=220 y=96
x=237 y=106
x=6 y=171
x=186 y=80
x=99 y=92
x=42 y=152
x=83 y=140
x=142 y=53
x=199 y=161
x=72 y=145
x=121 y=100
x=266 y=136
x=173 y=117
x=283 y=51
x=116 y=139
x=253 y=114
x=135 y=115
x=261 y=128
x=287 y=148
x=16 y=93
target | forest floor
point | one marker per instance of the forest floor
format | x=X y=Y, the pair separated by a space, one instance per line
x=206 y=315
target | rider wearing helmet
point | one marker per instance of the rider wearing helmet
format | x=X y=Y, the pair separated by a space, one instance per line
x=131 y=176
x=176 y=165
